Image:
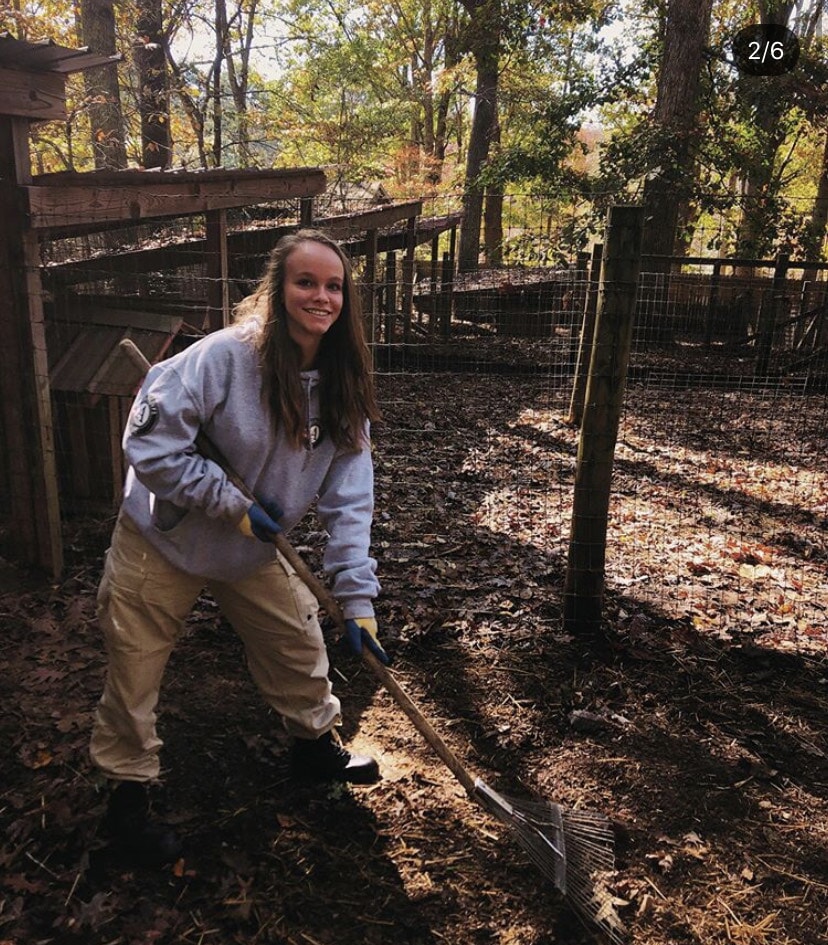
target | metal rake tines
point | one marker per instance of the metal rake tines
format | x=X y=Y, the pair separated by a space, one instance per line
x=590 y=853
x=538 y=828
x=590 y=840
x=573 y=848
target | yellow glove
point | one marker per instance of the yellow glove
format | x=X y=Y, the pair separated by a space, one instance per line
x=364 y=630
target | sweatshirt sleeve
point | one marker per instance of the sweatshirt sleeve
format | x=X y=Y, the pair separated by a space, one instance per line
x=159 y=445
x=345 y=508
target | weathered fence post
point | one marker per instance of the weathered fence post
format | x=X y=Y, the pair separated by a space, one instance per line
x=390 y=298
x=218 y=267
x=769 y=315
x=408 y=277
x=307 y=211
x=712 y=304
x=25 y=395
x=584 y=585
x=576 y=404
x=432 y=286
x=370 y=314
x=444 y=297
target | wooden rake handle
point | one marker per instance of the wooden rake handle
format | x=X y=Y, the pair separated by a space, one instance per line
x=326 y=600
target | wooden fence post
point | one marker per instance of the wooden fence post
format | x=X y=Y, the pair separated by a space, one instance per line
x=390 y=298
x=408 y=278
x=26 y=408
x=432 y=287
x=217 y=263
x=576 y=404
x=444 y=297
x=370 y=287
x=306 y=211
x=584 y=585
x=769 y=315
x=712 y=304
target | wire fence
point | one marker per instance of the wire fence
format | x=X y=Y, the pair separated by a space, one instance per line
x=720 y=489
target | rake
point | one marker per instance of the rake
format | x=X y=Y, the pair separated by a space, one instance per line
x=572 y=848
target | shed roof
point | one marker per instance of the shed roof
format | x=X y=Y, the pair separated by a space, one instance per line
x=85 y=356
x=45 y=55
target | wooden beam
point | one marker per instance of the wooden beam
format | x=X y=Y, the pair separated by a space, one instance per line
x=351 y=224
x=24 y=381
x=79 y=200
x=39 y=96
x=398 y=240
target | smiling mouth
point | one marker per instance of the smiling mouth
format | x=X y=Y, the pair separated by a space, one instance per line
x=318 y=312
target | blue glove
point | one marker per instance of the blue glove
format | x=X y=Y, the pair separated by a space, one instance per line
x=364 y=630
x=259 y=521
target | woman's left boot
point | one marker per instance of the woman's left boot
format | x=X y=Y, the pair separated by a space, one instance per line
x=146 y=842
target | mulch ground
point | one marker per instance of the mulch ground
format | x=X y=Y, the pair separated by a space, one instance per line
x=699 y=722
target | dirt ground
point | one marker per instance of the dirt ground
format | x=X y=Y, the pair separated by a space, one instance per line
x=710 y=747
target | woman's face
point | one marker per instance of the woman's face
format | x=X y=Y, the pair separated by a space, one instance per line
x=313 y=293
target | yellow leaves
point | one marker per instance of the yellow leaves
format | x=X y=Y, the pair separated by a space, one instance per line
x=745 y=933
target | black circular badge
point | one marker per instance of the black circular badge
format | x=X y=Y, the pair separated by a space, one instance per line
x=144 y=417
x=765 y=49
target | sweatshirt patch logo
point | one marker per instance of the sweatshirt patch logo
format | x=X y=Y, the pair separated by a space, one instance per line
x=144 y=418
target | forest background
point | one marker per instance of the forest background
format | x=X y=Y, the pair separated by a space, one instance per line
x=588 y=101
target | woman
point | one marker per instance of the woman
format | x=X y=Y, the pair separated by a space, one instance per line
x=286 y=395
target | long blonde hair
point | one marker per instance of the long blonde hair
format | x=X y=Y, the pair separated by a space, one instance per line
x=347 y=398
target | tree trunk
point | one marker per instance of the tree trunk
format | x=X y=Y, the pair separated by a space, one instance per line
x=192 y=109
x=239 y=78
x=218 y=115
x=443 y=106
x=675 y=115
x=819 y=214
x=756 y=232
x=151 y=61
x=486 y=48
x=755 y=236
x=106 y=119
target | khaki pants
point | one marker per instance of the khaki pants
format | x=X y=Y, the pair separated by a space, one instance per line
x=142 y=604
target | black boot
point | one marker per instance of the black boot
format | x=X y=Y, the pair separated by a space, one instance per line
x=144 y=841
x=324 y=759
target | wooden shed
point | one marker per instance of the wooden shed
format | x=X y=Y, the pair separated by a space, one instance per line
x=83 y=359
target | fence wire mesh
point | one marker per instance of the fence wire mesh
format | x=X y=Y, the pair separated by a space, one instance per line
x=720 y=495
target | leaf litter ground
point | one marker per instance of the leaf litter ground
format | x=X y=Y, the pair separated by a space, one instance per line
x=699 y=723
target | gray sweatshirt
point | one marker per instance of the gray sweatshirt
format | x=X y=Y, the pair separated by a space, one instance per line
x=185 y=506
